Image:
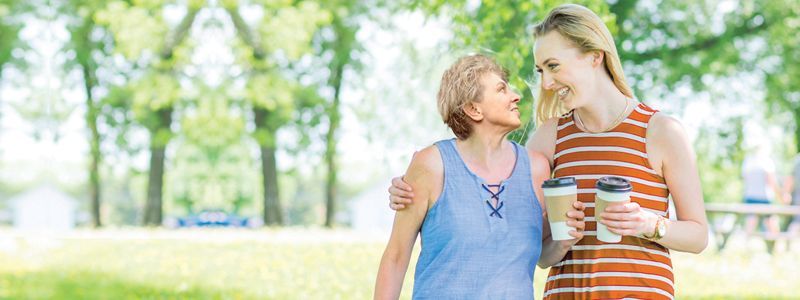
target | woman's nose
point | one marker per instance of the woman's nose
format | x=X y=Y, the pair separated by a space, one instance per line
x=547 y=82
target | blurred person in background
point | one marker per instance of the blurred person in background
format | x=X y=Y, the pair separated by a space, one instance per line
x=792 y=192
x=760 y=186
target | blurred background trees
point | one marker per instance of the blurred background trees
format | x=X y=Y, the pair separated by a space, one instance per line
x=284 y=110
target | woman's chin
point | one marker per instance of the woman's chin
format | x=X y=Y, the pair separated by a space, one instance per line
x=514 y=125
x=567 y=103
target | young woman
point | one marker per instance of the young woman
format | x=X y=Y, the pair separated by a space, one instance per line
x=605 y=131
x=478 y=202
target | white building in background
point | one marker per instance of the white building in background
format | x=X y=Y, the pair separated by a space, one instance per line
x=43 y=208
x=369 y=211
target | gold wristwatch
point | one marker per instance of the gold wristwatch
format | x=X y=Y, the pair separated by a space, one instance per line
x=660 y=230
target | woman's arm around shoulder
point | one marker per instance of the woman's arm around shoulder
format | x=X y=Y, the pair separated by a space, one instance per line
x=540 y=171
x=543 y=140
x=553 y=251
x=672 y=156
x=425 y=174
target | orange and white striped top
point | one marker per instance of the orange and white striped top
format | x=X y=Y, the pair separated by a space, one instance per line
x=634 y=268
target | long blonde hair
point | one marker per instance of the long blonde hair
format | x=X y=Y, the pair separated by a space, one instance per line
x=587 y=31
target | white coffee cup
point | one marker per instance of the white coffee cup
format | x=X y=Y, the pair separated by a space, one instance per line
x=559 y=194
x=611 y=190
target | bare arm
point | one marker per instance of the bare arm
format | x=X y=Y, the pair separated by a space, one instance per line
x=425 y=175
x=543 y=140
x=543 y=143
x=772 y=182
x=788 y=187
x=672 y=155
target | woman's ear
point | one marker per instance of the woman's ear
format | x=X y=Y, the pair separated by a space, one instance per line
x=473 y=111
x=597 y=58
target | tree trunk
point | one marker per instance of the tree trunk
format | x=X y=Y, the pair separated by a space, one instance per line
x=330 y=149
x=330 y=160
x=797 y=129
x=273 y=213
x=94 y=166
x=95 y=156
x=155 y=183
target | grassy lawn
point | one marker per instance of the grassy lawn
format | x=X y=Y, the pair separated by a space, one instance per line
x=296 y=264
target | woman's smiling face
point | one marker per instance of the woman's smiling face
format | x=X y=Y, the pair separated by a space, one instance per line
x=565 y=70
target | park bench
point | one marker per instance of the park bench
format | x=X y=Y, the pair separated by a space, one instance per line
x=724 y=217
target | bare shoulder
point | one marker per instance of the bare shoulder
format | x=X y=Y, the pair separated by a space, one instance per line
x=425 y=175
x=426 y=165
x=663 y=127
x=667 y=141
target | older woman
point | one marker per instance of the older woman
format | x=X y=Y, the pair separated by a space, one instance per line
x=478 y=205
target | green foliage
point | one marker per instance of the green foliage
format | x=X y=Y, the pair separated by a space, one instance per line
x=782 y=61
x=213 y=167
x=155 y=91
x=9 y=29
x=503 y=29
x=202 y=179
x=721 y=153
x=136 y=29
x=212 y=125
x=273 y=93
x=296 y=25
x=282 y=36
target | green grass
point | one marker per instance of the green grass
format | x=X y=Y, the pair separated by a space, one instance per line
x=295 y=264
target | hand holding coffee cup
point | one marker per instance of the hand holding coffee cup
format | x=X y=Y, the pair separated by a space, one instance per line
x=632 y=220
x=560 y=196
x=611 y=191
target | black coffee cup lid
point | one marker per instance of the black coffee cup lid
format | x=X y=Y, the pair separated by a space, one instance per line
x=559 y=182
x=614 y=184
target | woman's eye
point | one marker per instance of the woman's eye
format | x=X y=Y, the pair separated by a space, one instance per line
x=552 y=66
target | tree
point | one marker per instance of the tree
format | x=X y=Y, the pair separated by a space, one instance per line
x=781 y=63
x=86 y=49
x=212 y=165
x=341 y=46
x=282 y=36
x=139 y=32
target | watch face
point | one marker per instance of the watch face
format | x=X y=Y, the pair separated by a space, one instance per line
x=662 y=227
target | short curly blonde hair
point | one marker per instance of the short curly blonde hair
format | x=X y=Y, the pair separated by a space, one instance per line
x=461 y=85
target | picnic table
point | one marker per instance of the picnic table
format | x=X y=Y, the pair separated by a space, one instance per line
x=731 y=214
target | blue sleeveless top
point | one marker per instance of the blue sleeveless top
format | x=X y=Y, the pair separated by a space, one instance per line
x=472 y=249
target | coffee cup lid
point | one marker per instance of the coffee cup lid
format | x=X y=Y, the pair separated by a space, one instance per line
x=559 y=182
x=614 y=184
